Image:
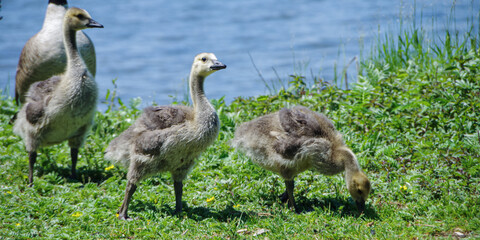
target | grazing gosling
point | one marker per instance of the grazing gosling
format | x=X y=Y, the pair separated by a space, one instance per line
x=44 y=56
x=168 y=138
x=61 y=107
x=291 y=141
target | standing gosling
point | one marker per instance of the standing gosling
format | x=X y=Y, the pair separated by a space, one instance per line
x=291 y=141
x=61 y=107
x=168 y=138
x=43 y=56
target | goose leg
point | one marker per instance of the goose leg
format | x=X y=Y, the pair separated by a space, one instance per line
x=122 y=212
x=74 y=156
x=283 y=197
x=178 y=186
x=32 y=158
x=289 y=184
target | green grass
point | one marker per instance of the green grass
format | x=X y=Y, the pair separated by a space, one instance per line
x=412 y=119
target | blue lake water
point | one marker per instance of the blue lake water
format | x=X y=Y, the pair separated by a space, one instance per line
x=149 y=45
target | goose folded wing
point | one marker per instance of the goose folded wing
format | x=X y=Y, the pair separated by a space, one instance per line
x=162 y=117
x=39 y=96
x=318 y=121
x=158 y=122
x=297 y=122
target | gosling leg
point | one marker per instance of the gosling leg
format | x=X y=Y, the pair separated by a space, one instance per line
x=129 y=191
x=289 y=184
x=32 y=158
x=74 y=156
x=178 y=186
x=283 y=197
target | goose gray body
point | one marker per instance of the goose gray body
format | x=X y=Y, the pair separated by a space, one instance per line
x=62 y=107
x=168 y=138
x=44 y=56
x=292 y=141
x=163 y=139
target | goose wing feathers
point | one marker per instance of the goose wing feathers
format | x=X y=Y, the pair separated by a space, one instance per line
x=158 y=122
x=301 y=121
x=300 y=125
x=40 y=95
x=29 y=54
x=162 y=117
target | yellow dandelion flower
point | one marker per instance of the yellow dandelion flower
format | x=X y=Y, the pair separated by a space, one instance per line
x=404 y=187
x=109 y=167
x=18 y=224
x=117 y=215
x=9 y=192
x=236 y=206
x=210 y=199
x=77 y=214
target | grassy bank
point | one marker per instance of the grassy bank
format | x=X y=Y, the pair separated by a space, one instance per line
x=412 y=119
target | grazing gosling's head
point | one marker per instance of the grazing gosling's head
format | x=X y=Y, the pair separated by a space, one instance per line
x=357 y=182
x=205 y=64
x=359 y=187
x=79 y=19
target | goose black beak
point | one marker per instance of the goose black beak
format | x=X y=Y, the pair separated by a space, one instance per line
x=93 y=24
x=360 y=206
x=217 y=65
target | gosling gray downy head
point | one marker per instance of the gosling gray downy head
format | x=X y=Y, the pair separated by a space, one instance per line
x=206 y=64
x=359 y=187
x=80 y=19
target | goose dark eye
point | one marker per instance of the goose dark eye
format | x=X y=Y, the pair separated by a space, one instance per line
x=204 y=59
x=80 y=16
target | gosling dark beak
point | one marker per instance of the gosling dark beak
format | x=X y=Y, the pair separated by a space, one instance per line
x=360 y=206
x=93 y=24
x=217 y=65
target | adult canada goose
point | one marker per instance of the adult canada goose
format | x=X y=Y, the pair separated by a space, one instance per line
x=168 y=138
x=61 y=107
x=291 y=141
x=44 y=54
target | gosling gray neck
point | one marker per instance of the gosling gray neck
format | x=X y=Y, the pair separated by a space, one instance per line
x=205 y=114
x=350 y=162
x=74 y=61
x=197 y=93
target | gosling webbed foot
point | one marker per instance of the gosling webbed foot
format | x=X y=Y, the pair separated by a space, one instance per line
x=124 y=217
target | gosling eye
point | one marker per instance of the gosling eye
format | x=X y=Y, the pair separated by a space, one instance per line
x=204 y=59
x=80 y=16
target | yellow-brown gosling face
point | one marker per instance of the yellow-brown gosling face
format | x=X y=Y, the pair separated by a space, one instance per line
x=359 y=188
x=80 y=19
x=206 y=64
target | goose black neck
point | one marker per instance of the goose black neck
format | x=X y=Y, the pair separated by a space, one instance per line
x=58 y=2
